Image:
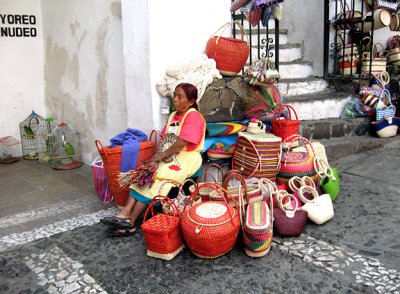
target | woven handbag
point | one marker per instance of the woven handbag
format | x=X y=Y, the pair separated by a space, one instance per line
x=384 y=110
x=298 y=164
x=111 y=157
x=229 y=54
x=210 y=228
x=377 y=62
x=257 y=229
x=205 y=191
x=285 y=127
x=257 y=155
x=289 y=222
x=320 y=208
x=162 y=232
x=328 y=178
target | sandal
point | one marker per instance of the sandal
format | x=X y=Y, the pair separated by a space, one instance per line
x=121 y=232
x=117 y=222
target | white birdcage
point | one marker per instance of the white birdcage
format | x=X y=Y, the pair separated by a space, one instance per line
x=31 y=135
x=65 y=147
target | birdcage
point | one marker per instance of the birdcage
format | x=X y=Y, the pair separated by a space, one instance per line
x=44 y=129
x=65 y=147
x=31 y=135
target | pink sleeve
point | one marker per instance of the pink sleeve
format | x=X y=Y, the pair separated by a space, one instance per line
x=193 y=130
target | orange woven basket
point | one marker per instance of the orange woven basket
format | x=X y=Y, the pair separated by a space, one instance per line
x=210 y=228
x=229 y=54
x=111 y=157
x=162 y=232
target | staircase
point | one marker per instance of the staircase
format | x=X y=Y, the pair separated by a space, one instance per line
x=311 y=96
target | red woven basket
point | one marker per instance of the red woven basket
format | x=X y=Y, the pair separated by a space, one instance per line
x=210 y=228
x=287 y=127
x=111 y=157
x=230 y=54
x=162 y=231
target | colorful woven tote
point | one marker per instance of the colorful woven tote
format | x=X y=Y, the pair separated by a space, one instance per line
x=257 y=231
x=285 y=127
x=257 y=155
x=162 y=232
x=298 y=164
x=210 y=228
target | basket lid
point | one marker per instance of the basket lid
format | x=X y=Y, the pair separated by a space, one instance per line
x=261 y=137
x=211 y=213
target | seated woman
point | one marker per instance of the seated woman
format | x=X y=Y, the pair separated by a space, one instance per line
x=185 y=131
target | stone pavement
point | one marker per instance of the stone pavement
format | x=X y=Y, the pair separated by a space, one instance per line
x=51 y=240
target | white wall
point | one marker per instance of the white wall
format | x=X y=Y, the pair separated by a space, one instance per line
x=21 y=74
x=158 y=34
x=84 y=77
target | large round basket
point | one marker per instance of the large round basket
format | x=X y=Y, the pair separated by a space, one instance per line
x=210 y=228
x=229 y=54
x=111 y=157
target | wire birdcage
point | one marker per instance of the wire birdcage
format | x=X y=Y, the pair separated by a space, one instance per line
x=65 y=147
x=31 y=136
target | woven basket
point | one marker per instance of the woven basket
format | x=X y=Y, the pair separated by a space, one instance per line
x=210 y=228
x=229 y=54
x=232 y=190
x=111 y=157
x=257 y=155
x=289 y=222
x=287 y=127
x=205 y=191
x=298 y=164
x=162 y=232
x=257 y=231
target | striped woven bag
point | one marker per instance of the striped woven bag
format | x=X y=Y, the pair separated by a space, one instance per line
x=298 y=164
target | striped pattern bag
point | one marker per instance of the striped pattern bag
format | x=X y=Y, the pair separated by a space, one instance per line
x=257 y=155
x=100 y=181
x=257 y=231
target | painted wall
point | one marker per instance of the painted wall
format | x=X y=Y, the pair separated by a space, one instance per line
x=158 y=34
x=21 y=64
x=83 y=66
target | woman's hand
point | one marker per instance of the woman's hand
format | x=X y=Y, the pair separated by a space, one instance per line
x=157 y=157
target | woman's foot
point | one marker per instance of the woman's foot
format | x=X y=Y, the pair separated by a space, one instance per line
x=121 y=232
x=117 y=222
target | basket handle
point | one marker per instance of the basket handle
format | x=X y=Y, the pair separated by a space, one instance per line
x=323 y=169
x=220 y=171
x=100 y=146
x=161 y=199
x=181 y=187
x=258 y=156
x=163 y=184
x=308 y=189
x=219 y=189
x=306 y=143
x=290 y=109
x=204 y=174
x=288 y=212
x=223 y=28
x=234 y=174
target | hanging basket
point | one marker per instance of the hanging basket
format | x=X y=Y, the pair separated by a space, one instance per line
x=229 y=54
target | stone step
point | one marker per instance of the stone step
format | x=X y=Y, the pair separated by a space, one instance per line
x=295 y=70
x=287 y=52
x=295 y=87
x=317 y=106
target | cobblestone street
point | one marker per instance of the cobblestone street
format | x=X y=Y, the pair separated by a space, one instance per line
x=61 y=247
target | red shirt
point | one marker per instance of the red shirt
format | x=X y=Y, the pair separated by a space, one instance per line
x=192 y=130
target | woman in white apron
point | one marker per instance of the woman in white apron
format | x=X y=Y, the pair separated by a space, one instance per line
x=184 y=133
